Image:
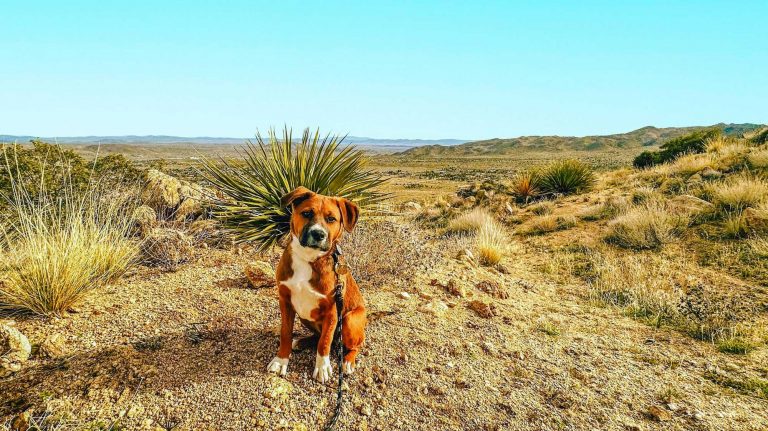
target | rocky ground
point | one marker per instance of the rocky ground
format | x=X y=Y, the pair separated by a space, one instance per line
x=450 y=346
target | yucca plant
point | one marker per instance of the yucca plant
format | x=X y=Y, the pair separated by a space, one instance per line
x=252 y=187
x=567 y=177
x=526 y=186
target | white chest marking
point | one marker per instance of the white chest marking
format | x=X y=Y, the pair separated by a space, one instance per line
x=304 y=297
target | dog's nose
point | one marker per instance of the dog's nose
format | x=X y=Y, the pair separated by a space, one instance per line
x=318 y=234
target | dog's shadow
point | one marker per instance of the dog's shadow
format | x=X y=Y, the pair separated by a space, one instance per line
x=198 y=353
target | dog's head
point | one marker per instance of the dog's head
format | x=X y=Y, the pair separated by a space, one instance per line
x=317 y=221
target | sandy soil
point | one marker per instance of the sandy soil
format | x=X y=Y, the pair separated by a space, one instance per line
x=188 y=350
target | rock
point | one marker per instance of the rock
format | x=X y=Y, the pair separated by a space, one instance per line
x=455 y=289
x=466 y=254
x=145 y=219
x=436 y=307
x=166 y=248
x=493 y=288
x=22 y=421
x=710 y=174
x=260 y=274
x=366 y=410
x=483 y=309
x=510 y=210
x=14 y=350
x=53 y=347
x=756 y=219
x=207 y=232
x=659 y=413
x=412 y=206
x=673 y=407
x=698 y=415
x=489 y=348
x=161 y=192
x=405 y=295
x=687 y=204
x=192 y=199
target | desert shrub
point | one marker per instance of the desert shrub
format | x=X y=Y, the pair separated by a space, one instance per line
x=469 y=222
x=492 y=242
x=542 y=208
x=760 y=137
x=526 y=186
x=695 y=142
x=372 y=259
x=52 y=170
x=738 y=193
x=166 y=248
x=58 y=249
x=567 y=177
x=252 y=189
x=648 y=226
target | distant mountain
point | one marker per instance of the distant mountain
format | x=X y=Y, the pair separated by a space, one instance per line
x=644 y=137
x=204 y=140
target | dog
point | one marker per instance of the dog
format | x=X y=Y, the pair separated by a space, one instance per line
x=306 y=281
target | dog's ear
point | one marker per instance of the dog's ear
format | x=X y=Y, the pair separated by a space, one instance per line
x=295 y=197
x=349 y=213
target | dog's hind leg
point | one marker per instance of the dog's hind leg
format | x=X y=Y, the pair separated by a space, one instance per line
x=353 y=335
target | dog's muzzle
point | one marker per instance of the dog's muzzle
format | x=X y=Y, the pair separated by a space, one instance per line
x=315 y=236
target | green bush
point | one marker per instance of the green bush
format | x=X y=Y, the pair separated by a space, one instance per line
x=567 y=177
x=695 y=142
x=253 y=187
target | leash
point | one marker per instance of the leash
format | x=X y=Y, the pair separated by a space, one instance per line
x=340 y=269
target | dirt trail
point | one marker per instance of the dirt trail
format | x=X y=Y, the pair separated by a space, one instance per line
x=190 y=349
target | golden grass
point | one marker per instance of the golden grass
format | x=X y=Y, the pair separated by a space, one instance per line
x=758 y=246
x=492 y=243
x=758 y=158
x=550 y=223
x=56 y=252
x=735 y=225
x=690 y=164
x=738 y=193
x=470 y=222
x=647 y=226
x=542 y=208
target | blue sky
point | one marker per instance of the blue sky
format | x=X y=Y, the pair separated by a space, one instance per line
x=423 y=69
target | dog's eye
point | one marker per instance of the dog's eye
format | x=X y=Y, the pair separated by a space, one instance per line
x=307 y=213
x=330 y=219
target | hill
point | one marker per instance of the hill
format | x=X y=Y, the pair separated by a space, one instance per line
x=644 y=137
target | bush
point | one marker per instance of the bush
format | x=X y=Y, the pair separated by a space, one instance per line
x=695 y=142
x=649 y=226
x=252 y=189
x=58 y=249
x=760 y=137
x=567 y=177
x=526 y=186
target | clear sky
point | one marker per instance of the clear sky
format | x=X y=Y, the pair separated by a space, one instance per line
x=411 y=69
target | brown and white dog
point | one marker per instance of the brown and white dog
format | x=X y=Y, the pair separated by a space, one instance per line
x=306 y=281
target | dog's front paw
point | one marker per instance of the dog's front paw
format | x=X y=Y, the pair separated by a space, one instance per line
x=349 y=367
x=323 y=369
x=278 y=366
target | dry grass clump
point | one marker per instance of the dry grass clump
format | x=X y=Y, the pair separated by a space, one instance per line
x=550 y=223
x=492 y=243
x=645 y=194
x=758 y=158
x=54 y=252
x=735 y=225
x=640 y=284
x=689 y=164
x=648 y=226
x=542 y=208
x=758 y=246
x=469 y=222
x=739 y=193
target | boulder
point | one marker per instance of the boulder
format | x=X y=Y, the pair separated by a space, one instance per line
x=192 y=198
x=161 y=192
x=14 y=350
x=53 y=347
x=208 y=232
x=145 y=218
x=483 y=309
x=260 y=274
x=688 y=204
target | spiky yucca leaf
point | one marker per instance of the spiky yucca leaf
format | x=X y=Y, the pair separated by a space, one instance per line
x=254 y=185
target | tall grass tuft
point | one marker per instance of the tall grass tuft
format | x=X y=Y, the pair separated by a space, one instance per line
x=55 y=250
x=253 y=186
x=647 y=226
x=526 y=186
x=739 y=193
x=470 y=222
x=492 y=243
x=567 y=177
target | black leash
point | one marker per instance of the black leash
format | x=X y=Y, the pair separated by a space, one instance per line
x=340 y=269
